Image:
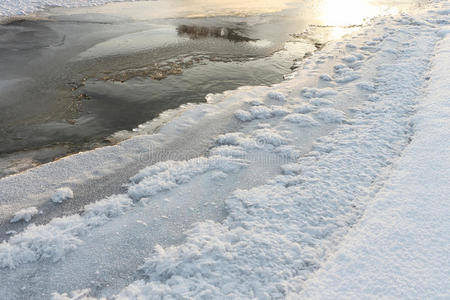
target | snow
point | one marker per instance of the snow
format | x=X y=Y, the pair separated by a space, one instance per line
x=310 y=175
x=330 y=115
x=399 y=250
x=10 y=8
x=325 y=77
x=24 y=214
x=168 y=175
x=301 y=120
x=62 y=194
x=55 y=239
x=318 y=93
x=277 y=96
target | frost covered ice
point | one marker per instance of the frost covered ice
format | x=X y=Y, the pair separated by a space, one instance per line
x=314 y=152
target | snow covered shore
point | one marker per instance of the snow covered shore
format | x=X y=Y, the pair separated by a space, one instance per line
x=314 y=153
x=400 y=248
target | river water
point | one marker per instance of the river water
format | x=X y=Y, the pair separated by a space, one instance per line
x=76 y=79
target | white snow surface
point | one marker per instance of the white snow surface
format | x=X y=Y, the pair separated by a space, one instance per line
x=24 y=214
x=9 y=8
x=317 y=152
x=400 y=248
x=62 y=194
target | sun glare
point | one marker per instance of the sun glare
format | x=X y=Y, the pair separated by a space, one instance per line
x=347 y=12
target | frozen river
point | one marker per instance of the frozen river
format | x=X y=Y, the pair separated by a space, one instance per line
x=71 y=79
x=273 y=173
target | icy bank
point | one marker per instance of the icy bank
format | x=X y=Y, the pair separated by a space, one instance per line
x=400 y=249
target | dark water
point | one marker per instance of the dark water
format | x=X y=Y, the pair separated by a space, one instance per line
x=69 y=81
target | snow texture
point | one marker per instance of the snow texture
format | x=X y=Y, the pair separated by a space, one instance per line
x=277 y=235
x=62 y=194
x=399 y=250
x=24 y=214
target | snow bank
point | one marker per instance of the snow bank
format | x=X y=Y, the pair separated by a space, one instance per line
x=400 y=249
